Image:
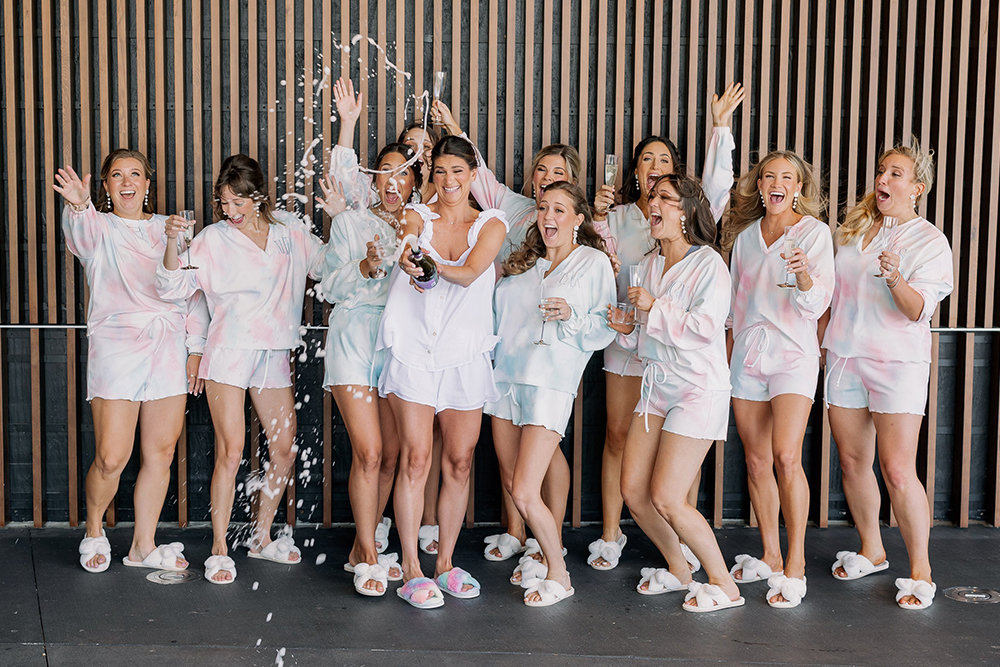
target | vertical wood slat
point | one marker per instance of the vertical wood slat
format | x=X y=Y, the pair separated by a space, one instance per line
x=784 y=43
x=121 y=41
x=746 y=110
x=509 y=70
x=180 y=199
x=72 y=419
x=871 y=119
x=399 y=53
x=31 y=214
x=142 y=101
x=49 y=133
x=564 y=73
x=673 y=113
x=602 y=92
x=801 y=87
x=584 y=78
x=819 y=85
x=14 y=295
x=491 y=90
x=529 y=88
x=473 y=83
x=889 y=85
x=835 y=127
x=547 y=21
x=855 y=104
x=418 y=49
x=690 y=120
x=234 y=83
x=327 y=125
x=291 y=86
x=621 y=63
x=711 y=39
x=638 y=72
x=253 y=94
x=657 y=83
x=381 y=70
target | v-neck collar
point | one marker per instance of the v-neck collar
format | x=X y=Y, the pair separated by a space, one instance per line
x=267 y=240
x=768 y=249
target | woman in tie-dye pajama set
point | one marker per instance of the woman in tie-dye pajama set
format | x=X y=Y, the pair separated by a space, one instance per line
x=252 y=266
x=775 y=352
x=878 y=353
x=138 y=350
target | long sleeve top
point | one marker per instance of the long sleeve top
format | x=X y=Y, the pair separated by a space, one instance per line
x=521 y=211
x=254 y=296
x=864 y=319
x=119 y=259
x=343 y=283
x=585 y=279
x=686 y=325
x=756 y=270
x=448 y=325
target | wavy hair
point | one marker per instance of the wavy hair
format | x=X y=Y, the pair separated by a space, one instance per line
x=747 y=206
x=525 y=257
x=631 y=191
x=699 y=226
x=569 y=155
x=242 y=175
x=860 y=219
x=149 y=204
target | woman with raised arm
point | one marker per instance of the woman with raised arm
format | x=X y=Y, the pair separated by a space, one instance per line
x=137 y=351
x=355 y=280
x=438 y=340
x=421 y=138
x=782 y=272
x=625 y=228
x=684 y=404
x=562 y=269
x=893 y=268
x=252 y=266
x=554 y=163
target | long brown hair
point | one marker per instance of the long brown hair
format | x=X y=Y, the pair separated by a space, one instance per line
x=525 y=257
x=242 y=175
x=747 y=206
x=631 y=191
x=149 y=205
x=569 y=155
x=699 y=226
x=862 y=217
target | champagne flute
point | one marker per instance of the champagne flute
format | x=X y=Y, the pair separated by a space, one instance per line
x=188 y=215
x=438 y=85
x=791 y=245
x=610 y=172
x=888 y=237
x=635 y=280
x=380 y=252
x=542 y=301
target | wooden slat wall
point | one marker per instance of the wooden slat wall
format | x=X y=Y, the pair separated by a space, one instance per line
x=74 y=88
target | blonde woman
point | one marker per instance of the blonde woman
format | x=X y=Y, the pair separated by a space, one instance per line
x=878 y=343
x=774 y=232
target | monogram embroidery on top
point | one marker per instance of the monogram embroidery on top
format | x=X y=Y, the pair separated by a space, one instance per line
x=284 y=246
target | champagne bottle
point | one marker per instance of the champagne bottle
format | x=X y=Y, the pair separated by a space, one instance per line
x=430 y=277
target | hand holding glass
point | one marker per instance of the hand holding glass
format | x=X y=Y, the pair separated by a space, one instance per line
x=791 y=245
x=541 y=306
x=888 y=239
x=188 y=216
x=623 y=313
x=610 y=172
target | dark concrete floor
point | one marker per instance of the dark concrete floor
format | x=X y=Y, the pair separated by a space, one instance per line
x=53 y=613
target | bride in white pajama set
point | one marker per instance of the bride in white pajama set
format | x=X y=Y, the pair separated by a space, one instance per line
x=878 y=353
x=252 y=266
x=684 y=403
x=626 y=231
x=775 y=353
x=551 y=164
x=137 y=351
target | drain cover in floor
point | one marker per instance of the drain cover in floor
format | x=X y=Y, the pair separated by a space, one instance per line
x=168 y=577
x=973 y=595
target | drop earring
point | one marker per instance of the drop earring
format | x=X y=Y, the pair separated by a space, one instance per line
x=684 y=231
x=913 y=200
x=762 y=200
x=575 y=230
x=145 y=202
x=795 y=201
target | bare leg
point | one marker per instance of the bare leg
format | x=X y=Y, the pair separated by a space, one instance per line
x=414 y=426
x=898 y=435
x=537 y=448
x=160 y=424
x=754 y=422
x=854 y=432
x=390 y=455
x=637 y=476
x=459 y=434
x=791 y=416
x=555 y=488
x=226 y=404
x=622 y=395
x=114 y=428
x=276 y=409
x=678 y=460
x=363 y=427
x=433 y=486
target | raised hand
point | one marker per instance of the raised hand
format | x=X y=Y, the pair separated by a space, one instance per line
x=176 y=225
x=723 y=107
x=333 y=200
x=604 y=198
x=349 y=106
x=441 y=115
x=75 y=191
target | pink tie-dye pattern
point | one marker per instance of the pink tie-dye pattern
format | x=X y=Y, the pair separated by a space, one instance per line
x=864 y=319
x=254 y=296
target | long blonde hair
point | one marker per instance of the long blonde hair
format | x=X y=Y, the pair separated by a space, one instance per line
x=569 y=155
x=747 y=206
x=860 y=219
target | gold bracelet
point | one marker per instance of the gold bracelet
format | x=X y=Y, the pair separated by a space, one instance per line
x=79 y=208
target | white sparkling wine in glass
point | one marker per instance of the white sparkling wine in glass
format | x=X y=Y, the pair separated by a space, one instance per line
x=438 y=84
x=544 y=294
x=790 y=246
x=888 y=239
x=610 y=172
x=188 y=216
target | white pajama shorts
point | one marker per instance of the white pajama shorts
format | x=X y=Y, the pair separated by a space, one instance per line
x=465 y=387
x=260 y=369
x=350 y=354
x=620 y=361
x=889 y=387
x=132 y=364
x=525 y=405
x=765 y=365
x=688 y=410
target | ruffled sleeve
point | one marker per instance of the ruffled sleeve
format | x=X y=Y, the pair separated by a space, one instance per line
x=84 y=230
